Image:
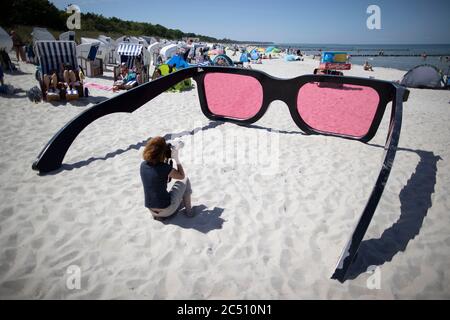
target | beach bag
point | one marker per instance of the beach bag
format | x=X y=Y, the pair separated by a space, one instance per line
x=34 y=94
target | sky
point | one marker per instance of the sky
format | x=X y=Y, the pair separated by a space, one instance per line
x=288 y=21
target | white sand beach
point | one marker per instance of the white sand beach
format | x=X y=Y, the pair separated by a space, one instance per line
x=270 y=228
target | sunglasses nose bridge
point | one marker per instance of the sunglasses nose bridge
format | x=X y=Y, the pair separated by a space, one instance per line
x=280 y=89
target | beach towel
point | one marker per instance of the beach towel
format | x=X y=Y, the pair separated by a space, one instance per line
x=98 y=86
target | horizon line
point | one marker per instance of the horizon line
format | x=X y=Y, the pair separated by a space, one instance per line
x=361 y=44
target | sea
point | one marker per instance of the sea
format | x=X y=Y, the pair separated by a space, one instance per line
x=403 y=57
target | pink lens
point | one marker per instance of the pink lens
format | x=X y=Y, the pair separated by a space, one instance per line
x=233 y=95
x=338 y=108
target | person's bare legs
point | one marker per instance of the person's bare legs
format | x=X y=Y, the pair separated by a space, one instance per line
x=72 y=77
x=69 y=78
x=17 y=53
x=22 y=54
x=187 y=204
x=187 y=199
x=54 y=81
x=46 y=82
x=66 y=76
x=118 y=87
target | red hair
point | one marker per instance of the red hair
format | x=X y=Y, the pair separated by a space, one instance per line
x=155 y=150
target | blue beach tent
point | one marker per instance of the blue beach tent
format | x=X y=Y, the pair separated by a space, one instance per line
x=254 y=54
x=244 y=57
x=178 y=62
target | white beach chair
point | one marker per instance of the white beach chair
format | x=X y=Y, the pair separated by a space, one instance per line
x=128 y=53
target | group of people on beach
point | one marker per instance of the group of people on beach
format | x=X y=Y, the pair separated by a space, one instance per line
x=128 y=77
x=71 y=80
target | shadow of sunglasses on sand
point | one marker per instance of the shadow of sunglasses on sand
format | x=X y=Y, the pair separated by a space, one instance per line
x=415 y=200
x=136 y=146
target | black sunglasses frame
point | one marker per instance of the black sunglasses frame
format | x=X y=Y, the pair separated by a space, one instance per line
x=287 y=91
x=52 y=155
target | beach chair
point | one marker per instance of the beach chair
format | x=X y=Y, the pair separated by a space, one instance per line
x=87 y=59
x=52 y=55
x=223 y=60
x=334 y=61
x=129 y=53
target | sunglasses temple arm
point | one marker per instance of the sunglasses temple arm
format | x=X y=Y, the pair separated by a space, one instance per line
x=52 y=155
x=351 y=249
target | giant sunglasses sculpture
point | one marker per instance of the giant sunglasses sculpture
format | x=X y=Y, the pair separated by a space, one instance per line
x=345 y=107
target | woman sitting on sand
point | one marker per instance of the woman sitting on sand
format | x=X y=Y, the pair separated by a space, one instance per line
x=367 y=66
x=155 y=173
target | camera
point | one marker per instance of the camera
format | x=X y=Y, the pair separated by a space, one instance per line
x=175 y=146
x=168 y=152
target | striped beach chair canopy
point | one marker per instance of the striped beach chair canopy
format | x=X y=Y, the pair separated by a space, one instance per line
x=53 y=54
x=128 y=52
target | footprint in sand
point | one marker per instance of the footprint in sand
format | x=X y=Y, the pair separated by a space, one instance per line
x=37 y=243
x=6 y=213
x=165 y=260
